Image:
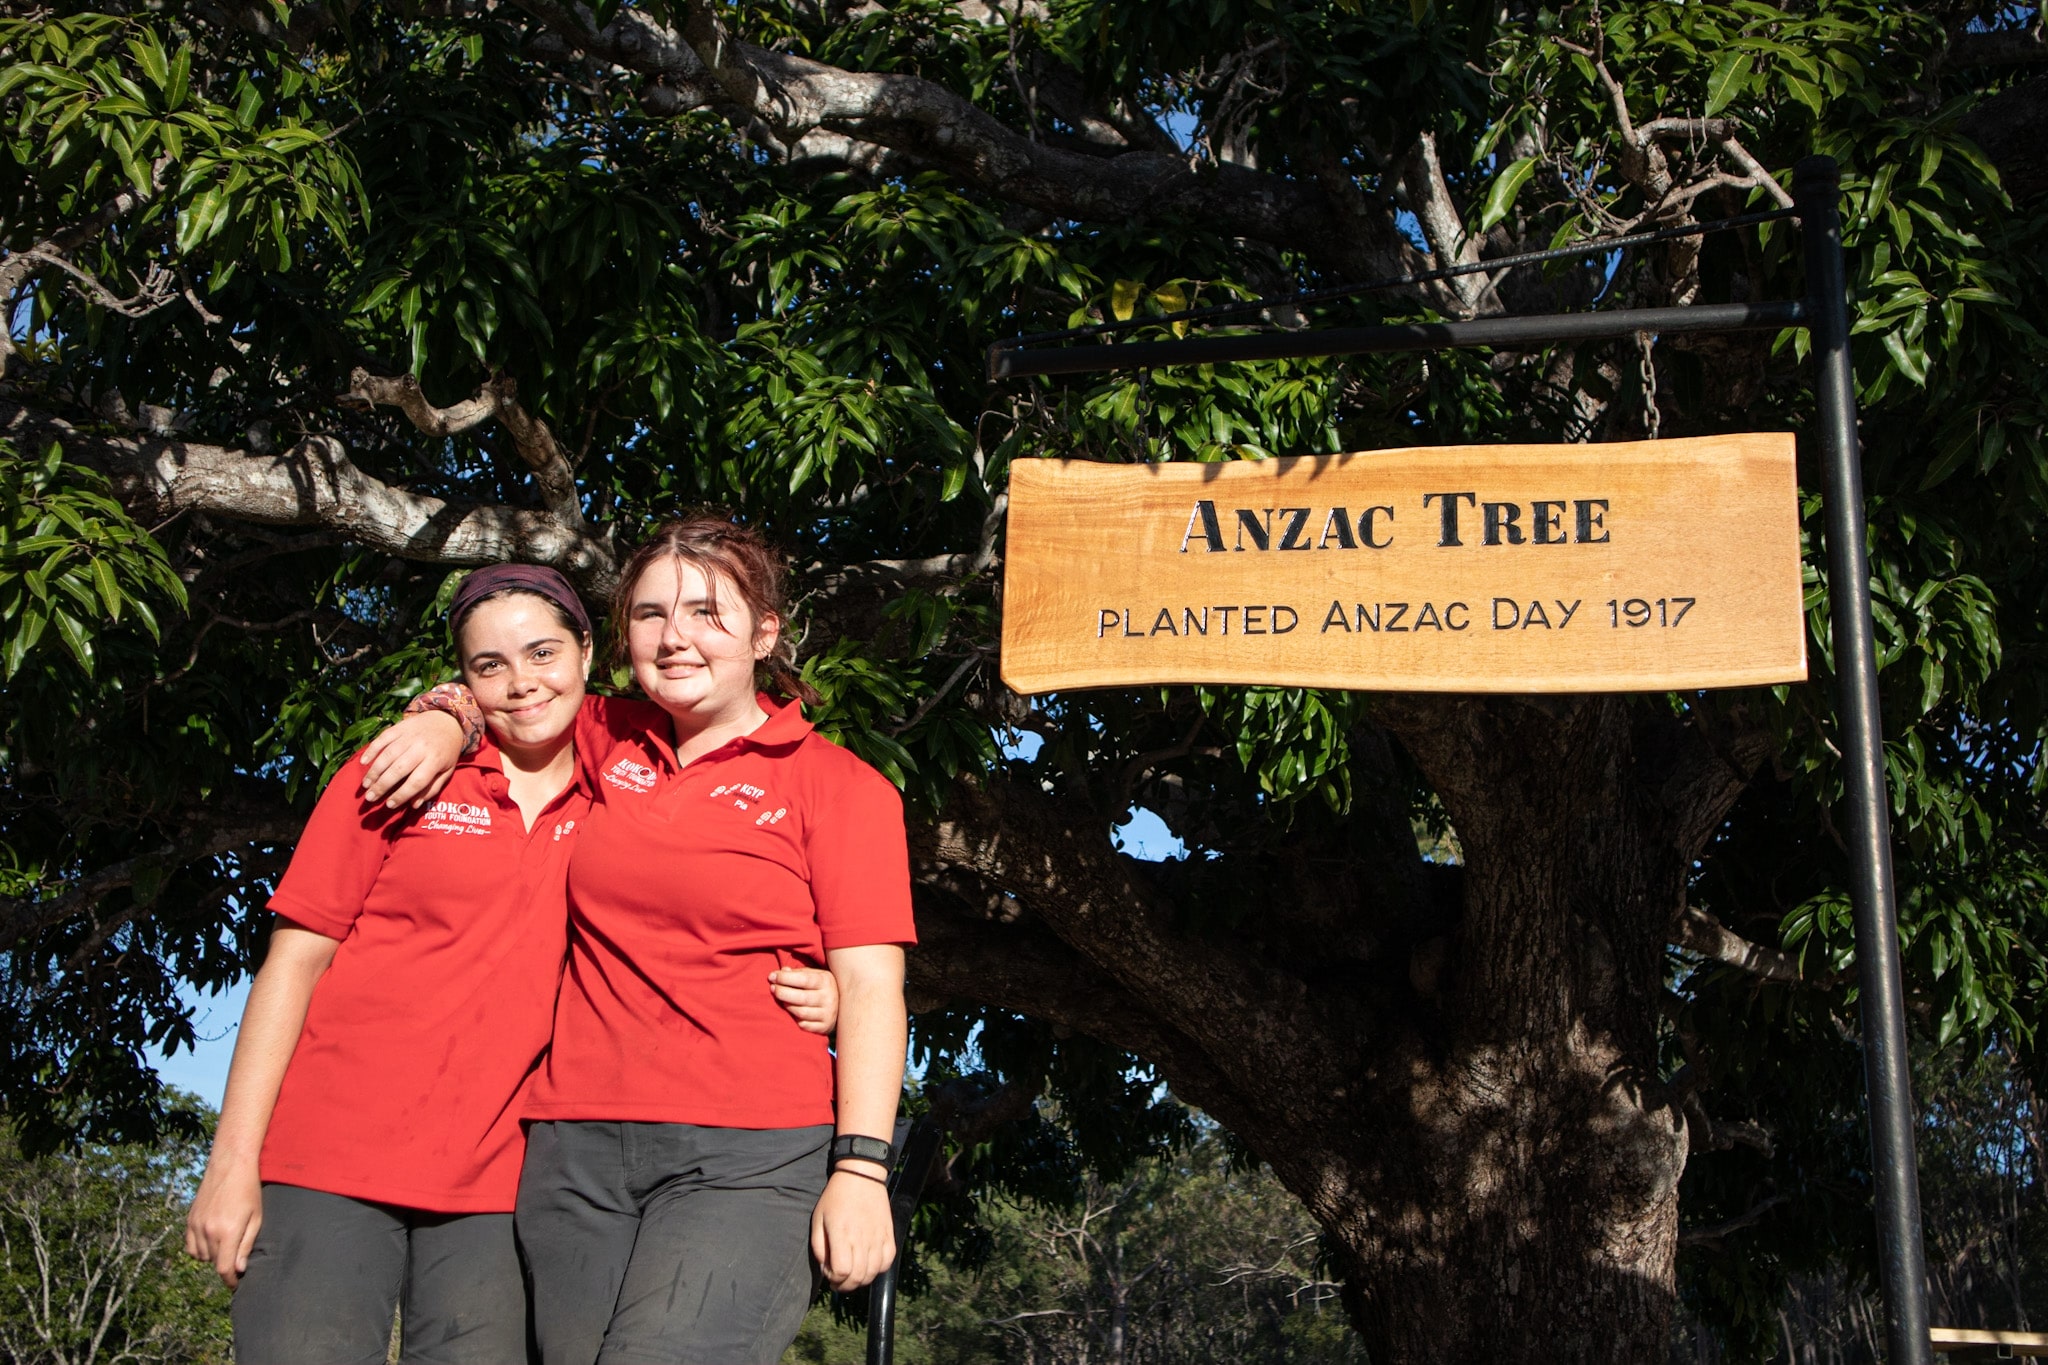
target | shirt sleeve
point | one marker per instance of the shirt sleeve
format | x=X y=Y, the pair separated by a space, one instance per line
x=860 y=862
x=604 y=721
x=338 y=858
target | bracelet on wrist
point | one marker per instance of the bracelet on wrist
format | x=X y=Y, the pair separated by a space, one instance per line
x=456 y=701
x=853 y=1167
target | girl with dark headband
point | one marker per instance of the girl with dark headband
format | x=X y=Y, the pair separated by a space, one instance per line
x=370 y=1144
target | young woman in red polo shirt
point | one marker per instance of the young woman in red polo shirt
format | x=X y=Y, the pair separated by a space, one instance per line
x=691 y=1154
x=369 y=1146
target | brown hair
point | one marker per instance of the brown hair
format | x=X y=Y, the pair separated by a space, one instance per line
x=740 y=555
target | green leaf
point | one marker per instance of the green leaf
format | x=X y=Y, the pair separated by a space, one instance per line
x=31 y=630
x=197 y=222
x=1123 y=299
x=149 y=53
x=1960 y=448
x=144 y=614
x=75 y=637
x=1806 y=92
x=180 y=79
x=1911 y=359
x=1500 y=196
x=1930 y=160
x=1727 y=80
x=110 y=593
x=952 y=481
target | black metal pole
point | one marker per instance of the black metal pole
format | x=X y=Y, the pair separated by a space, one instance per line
x=919 y=1148
x=1816 y=188
x=882 y=1318
x=1005 y=361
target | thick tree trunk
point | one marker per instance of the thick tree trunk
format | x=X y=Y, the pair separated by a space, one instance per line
x=1520 y=1199
x=1455 y=1069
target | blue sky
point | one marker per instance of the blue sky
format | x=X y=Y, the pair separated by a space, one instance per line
x=205 y=1072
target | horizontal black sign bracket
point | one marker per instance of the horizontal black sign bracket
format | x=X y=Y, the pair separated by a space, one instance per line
x=1510 y=333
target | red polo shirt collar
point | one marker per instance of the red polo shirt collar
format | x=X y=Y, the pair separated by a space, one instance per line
x=785 y=728
x=488 y=759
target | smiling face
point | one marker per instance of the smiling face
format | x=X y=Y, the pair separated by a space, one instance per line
x=526 y=669
x=693 y=643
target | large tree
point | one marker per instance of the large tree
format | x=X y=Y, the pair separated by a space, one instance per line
x=311 y=306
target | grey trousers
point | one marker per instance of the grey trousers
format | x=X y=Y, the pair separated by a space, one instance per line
x=327 y=1272
x=669 y=1243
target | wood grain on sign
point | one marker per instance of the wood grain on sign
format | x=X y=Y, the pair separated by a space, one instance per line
x=1641 y=566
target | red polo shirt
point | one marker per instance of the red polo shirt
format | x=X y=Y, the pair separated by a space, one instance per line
x=405 y=1084
x=689 y=885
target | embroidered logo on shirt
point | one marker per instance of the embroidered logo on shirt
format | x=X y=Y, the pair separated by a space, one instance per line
x=629 y=776
x=566 y=827
x=743 y=794
x=457 y=817
x=769 y=817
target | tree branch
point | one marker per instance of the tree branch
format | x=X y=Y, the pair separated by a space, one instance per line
x=1719 y=754
x=1707 y=1134
x=1113 y=124
x=930 y=569
x=792 y=95
x=403 y=392
x=52 y=251
x=999 y=958
x=952 y=681
x=1758 y=177
x=498 y=399
x=1699 y=932
x=314 y=483
x=1999 y=47
x=1134 y=771
x=1644 y=163
x=157 y=288
x=1714 y=1232
x=20 y=918
x=1253 y=1026
x=1429 y=196
x=292 y=27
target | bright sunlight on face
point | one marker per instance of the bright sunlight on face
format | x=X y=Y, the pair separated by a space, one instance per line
x=693 y=641
x=526 y=668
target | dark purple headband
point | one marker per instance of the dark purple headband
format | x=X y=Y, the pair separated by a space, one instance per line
x=534 y=578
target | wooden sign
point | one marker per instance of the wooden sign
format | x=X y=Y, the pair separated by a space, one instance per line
x=1646 y=566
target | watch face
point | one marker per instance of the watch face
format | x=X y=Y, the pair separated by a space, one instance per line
x=866 y=1148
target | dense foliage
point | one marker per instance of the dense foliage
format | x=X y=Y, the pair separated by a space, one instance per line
x=771 y=292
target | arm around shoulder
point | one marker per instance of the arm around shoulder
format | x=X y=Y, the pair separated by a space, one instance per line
x=409 y=761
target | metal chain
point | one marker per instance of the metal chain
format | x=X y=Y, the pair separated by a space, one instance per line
x=1647 y=374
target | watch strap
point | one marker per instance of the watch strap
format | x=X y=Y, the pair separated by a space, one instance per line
x=855 y=1147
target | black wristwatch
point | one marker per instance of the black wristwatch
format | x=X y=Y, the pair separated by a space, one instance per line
x=853 y=1147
